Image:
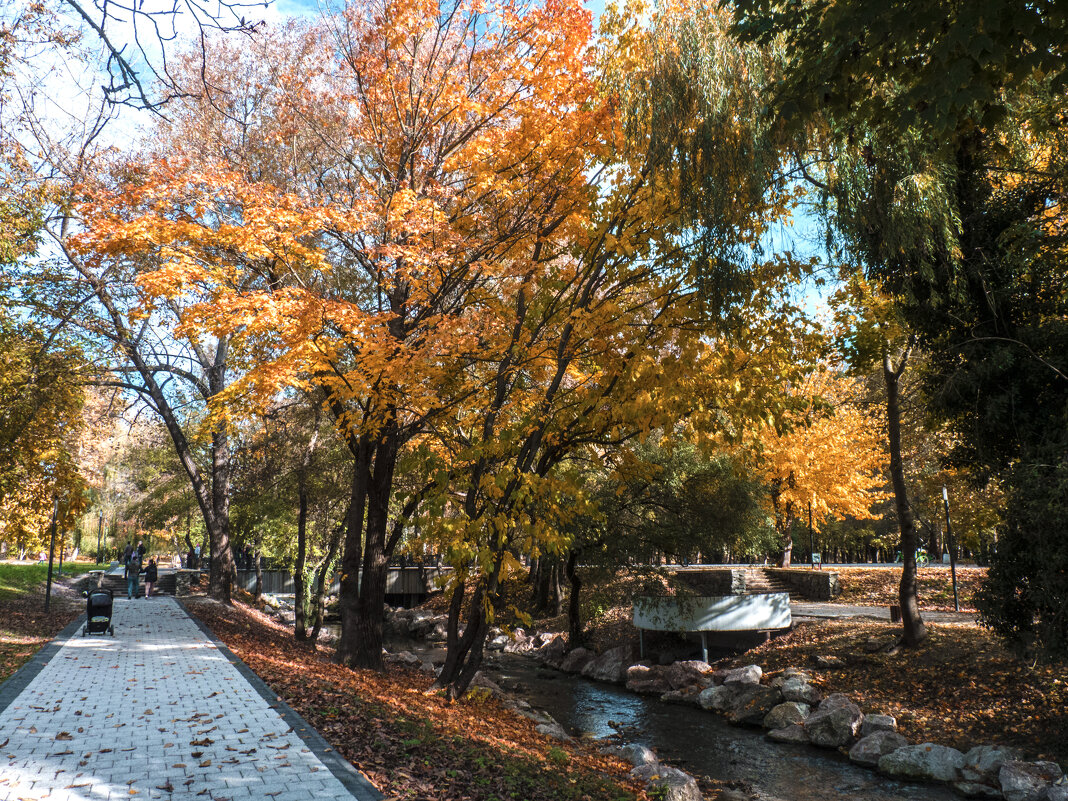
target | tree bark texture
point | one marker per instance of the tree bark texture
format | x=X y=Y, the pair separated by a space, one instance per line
x=914 y=631
x=574 y=610
x=300 y=600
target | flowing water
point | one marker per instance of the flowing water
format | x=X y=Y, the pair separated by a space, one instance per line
x=700 y=742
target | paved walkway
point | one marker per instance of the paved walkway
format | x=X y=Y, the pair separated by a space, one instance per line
x=829 y=610
x=162 y=711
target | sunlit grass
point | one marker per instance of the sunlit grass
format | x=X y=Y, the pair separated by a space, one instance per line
x=18 y=578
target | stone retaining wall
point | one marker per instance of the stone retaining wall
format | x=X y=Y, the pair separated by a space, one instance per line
x=816 y=585
x=714 y=581
x=182 y=580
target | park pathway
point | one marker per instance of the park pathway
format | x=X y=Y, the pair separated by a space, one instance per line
x=161 y=710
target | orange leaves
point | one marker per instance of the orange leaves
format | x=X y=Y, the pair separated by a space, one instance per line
x=828 y=453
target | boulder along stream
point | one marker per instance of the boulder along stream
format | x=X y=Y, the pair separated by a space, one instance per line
x=697 y=741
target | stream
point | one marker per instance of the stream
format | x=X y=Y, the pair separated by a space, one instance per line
x=697 y=741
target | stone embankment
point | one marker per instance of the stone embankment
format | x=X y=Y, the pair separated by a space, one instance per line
x=789 y=706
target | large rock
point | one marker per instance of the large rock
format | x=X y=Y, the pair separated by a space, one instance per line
x=404 y=658
x=874 y=723
x=576 y=660
x=423 y=624
x=440 y=632
x=497 y=643
x=926 y=762
x=691 y=695
x=691 y=673
x=520 y=643
x=675 y=785
x=1057 y=793
x=636 y=754
x=552 y=653
x=611 y=666
x=645 y=679
x=1028 y=781
x=790 y=673
x=483 y=681
x=396 y=624
x=790 y=734
x=554 y=730
x=786 y=714
x=869 y=750
x=979 y=773
x=797 y=688
x=753 y=703
x=718 y=698
x=835 y=723
x=750 y=674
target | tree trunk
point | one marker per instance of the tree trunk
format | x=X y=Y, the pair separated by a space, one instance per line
x=534 y=579
x=914 y=631
x=300 y=605
x=318 y=604
x=222 y=570
x=352 y=555
x=557 y=593
x=300 y=601
x=574 y=609
x=545 y=572
x=464 y=653
x=788 y=537
x=256 y=558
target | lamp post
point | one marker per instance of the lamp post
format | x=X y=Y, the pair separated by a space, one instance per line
x=51 y=553
x=952 y=550
x=99 y=530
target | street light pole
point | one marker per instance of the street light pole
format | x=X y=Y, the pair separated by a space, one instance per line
x=811 y=545
x=952 y=550
x=51 y=554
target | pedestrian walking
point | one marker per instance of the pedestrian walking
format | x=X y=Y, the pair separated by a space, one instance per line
x=126 y=559
x=132 y=575
x=141 y=550
x=151 y=576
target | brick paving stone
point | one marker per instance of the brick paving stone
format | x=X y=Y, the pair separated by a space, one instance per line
x=163 y=710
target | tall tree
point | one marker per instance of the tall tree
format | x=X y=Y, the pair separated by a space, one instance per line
x=948 y=125
x=825 y=456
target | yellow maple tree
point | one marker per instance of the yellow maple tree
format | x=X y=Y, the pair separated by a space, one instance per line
x=827 y=455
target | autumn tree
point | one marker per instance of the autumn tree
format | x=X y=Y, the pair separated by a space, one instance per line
x=935 y=179
x=660 y=498
x=824 y=456
x=381 y=273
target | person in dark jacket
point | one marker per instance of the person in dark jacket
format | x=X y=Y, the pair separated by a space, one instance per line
x=126 y=560
x=133 y=575
x=151 y=576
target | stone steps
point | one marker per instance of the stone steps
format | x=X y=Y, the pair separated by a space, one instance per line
x=758 y=581
x=117 y=584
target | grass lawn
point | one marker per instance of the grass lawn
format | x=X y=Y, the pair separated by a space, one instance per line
x=24 y=626
x=19 y=578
